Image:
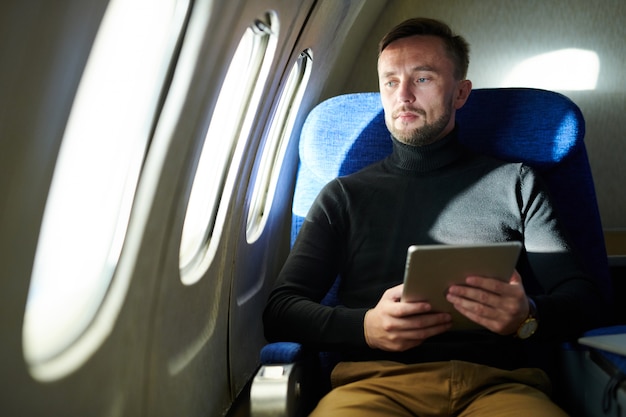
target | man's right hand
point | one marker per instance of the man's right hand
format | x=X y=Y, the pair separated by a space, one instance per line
x=394 y=325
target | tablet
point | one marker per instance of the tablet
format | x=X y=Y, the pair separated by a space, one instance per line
x=432 y=269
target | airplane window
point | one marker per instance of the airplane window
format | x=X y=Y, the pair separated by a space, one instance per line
x=225 y=140
x=93 y=186
x=276 y=145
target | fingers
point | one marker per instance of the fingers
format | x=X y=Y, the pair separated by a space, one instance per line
x=390 y=302
x=496 y=305
x=410 y=338
x=393 y=293
x=396 y=326
x=399 y=334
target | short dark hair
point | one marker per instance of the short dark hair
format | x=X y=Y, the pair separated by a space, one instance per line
x=456 y=45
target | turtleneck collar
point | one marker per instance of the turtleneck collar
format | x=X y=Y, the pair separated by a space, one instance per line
x=428 y=157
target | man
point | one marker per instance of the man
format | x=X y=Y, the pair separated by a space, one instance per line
x=399 y=358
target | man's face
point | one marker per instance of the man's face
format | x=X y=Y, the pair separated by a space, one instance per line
x=418 y=90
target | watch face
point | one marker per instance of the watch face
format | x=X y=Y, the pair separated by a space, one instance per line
x=527 y=329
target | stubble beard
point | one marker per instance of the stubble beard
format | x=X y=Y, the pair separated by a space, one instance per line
x=426 y=134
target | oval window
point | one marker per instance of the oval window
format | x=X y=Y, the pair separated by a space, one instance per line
x=276 y=145
x=228 y=131
x=97 y=169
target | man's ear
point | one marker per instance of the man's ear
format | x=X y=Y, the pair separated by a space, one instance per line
x=463 y=91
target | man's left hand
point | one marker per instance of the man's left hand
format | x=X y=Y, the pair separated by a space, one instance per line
x=499 y=306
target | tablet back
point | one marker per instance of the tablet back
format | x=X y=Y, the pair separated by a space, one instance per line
x=432 y=269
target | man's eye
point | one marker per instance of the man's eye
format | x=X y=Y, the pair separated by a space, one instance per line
x=391 y=83
x=422 y=80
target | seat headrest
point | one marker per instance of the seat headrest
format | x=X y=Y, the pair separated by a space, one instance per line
x=335 y=126
x=537 y=127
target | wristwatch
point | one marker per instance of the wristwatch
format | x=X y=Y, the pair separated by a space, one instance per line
x=529 y=326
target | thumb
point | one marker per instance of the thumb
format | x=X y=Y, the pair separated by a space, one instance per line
x=394 y=293
x=516 y=278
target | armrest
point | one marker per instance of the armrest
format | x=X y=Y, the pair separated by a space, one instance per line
x=281 y=352
x=289 y=382
x=610 y=354
x=276 y=387
x=591 y=379
x=276 y=391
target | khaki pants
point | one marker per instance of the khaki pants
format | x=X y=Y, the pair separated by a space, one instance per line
x=384 y=389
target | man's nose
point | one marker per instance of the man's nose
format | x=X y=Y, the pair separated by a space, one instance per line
x=405 y=93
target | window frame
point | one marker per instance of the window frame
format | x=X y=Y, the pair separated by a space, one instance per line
x=275 y=145
x=195 y=256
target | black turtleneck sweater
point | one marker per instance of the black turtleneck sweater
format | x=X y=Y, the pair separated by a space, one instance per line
x=360 y=226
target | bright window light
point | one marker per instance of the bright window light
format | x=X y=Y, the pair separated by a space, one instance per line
x=228 y=131
x=563 y=70
x=95 y=178
x=276 y=145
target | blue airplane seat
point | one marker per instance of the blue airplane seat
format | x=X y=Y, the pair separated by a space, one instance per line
x=541 y=128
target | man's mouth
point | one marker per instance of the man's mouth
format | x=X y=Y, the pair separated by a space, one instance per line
x=406 y=114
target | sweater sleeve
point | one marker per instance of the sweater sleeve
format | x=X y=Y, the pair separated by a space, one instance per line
x=568 y=301
x=293 y=311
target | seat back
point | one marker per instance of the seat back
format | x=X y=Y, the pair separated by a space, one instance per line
x=543 y=129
